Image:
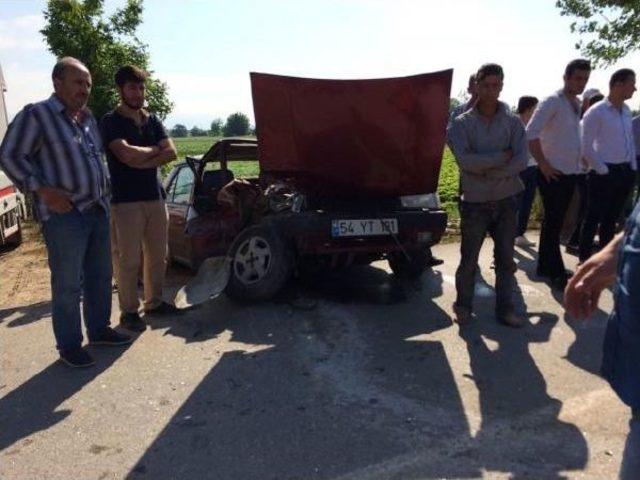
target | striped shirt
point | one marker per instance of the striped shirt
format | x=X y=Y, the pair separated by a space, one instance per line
x=45 y=147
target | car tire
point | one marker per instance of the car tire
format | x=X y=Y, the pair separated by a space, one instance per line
x=411 y=267
x=261 y=264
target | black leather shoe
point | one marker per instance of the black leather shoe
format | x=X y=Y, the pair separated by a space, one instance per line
x=77 y=358
x=133 y=322
x=110 y=337
x=163 y=309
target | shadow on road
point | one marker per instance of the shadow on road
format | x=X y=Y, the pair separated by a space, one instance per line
x=32 y=407
x=358 y=388
x=26 y=314
x=586 y=351
x=335 y=390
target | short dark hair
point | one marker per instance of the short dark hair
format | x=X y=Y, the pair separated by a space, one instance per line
x=577 y=64
x=489 y=69
x=526 y=103
x=61 y=66
x=130 y=73
x=621 y=76
x=472 y=79
x=595 y=99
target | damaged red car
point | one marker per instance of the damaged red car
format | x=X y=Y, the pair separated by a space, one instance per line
x=348 y=173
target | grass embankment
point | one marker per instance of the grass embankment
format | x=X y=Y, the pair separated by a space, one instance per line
x=447 y=186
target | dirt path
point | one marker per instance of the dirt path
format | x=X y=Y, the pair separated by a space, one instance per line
x=24 y=273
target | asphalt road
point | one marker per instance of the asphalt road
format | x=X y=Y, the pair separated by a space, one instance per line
x=373 y=382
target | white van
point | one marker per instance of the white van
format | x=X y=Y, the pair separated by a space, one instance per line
x=12 y=206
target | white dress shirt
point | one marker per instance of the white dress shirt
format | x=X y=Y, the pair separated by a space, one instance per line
x=556 y=122
x=607 y=136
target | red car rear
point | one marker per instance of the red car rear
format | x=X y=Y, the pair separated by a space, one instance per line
x=348 y=174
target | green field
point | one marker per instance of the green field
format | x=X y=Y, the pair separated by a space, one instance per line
x=199 y=145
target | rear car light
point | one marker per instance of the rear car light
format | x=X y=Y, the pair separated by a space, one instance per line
x=429 y=201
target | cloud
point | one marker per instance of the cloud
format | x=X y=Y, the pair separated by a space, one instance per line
x=21 y=34
x=24 y=86
x=199 y=99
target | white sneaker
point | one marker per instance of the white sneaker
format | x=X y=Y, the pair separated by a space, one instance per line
x=522 y=241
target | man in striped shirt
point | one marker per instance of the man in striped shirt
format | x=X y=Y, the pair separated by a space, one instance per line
x=53 y=150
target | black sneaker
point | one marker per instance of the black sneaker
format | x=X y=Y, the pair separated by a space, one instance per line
x=110 y=337
x=77 y=358
x=132 y=321
x=163 y=309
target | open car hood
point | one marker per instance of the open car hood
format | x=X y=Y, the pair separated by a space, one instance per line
x=381 y=137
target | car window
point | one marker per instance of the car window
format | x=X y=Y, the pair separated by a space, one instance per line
x=180 y=188
x=171 y=188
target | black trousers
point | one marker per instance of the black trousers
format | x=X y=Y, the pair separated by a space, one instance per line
x=606 y=197
x=556 y=196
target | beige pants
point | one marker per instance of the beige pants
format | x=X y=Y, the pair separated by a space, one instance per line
x=140 y=227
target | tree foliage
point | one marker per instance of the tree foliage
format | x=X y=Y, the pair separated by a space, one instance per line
x=78 y=28
x=179 y=131
x=237 y=124
x=216 y=128
x=610 y=29
x=198 y=132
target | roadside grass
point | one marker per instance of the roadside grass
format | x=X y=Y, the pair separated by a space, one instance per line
x=447 y=186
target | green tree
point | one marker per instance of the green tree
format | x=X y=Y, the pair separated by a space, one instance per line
x=198 y=132
x=610 y=29
x=78 y=28
x=179 y=131
x=453 y=104
x=216 y=128
x=237 y=124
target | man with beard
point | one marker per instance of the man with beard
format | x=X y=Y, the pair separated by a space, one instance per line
x=137 y=144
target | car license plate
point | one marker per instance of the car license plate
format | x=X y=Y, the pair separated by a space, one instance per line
x=364 y=227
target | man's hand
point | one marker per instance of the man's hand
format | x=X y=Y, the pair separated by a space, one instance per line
x=583 y=290
x=549 y=173
x=56 y=199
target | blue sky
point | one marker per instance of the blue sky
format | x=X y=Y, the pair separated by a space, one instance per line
x=204 y=49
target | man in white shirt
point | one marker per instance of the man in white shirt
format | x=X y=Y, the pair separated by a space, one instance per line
x=609 y=149
x=554 y=141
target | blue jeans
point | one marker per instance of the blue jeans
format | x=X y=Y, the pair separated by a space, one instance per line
x=529 y=177
x=499 y=220
x=621 y=356
x=80 y=263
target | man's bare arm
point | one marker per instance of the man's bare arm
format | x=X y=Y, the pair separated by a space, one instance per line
x=583 y=290
x=132 y=155
x=166 y=153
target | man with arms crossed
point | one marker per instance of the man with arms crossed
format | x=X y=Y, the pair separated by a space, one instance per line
x=609 y=148
x=489 y=145
x=137 y=144
x=53 y=150
x=554 y=141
